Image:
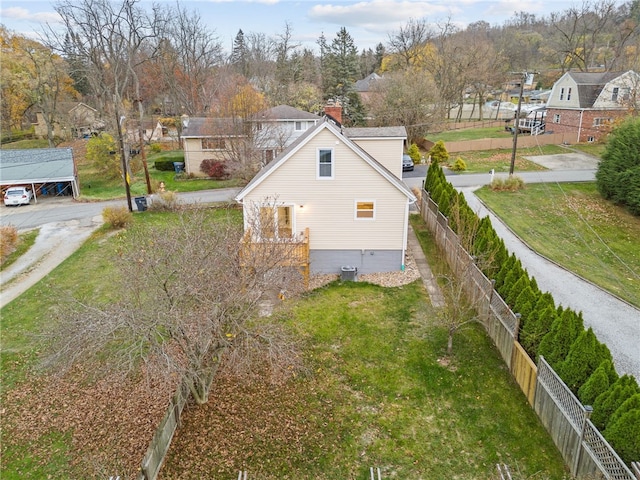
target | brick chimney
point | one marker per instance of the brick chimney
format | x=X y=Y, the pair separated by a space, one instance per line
x=334 y=110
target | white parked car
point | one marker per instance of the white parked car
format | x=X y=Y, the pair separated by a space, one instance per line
x=17 y=196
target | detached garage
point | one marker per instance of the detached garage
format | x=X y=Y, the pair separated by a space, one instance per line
x=47 y=171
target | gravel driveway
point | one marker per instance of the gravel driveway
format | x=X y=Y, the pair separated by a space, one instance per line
x=615 y=322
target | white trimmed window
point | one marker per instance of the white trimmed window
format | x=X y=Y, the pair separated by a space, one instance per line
x=365 y=209
x=300 y=126
x=325 y=163
x=599 y=121
x=556 y=118
x=569 y=94
x=562 y=93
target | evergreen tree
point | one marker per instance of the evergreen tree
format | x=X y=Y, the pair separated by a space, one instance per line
x=585 y=355
x=439 y=153
x=624 y=436
x=631 y=403
x=618 y=175
x=414 y=152
x=504 y=271
x=534 y=331
x=240 y=54
x=524 y=305
x=512 y=276
x=597 y=383
x=516 y=288
x=340 y=70
x=564 y=331
x=608 y=402
x=380 y=53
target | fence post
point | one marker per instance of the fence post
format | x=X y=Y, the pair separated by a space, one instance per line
x=587 y=414
x=516 y=329
x=493 y=289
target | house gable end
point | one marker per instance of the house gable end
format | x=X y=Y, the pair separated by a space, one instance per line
x=306 y=138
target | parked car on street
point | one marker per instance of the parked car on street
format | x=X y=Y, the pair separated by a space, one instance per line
x=17 y=196
x=407 y=163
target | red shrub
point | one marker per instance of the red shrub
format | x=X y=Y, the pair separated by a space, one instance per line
x=214 y=168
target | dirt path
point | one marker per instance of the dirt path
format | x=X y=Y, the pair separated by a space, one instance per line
x=55 y=242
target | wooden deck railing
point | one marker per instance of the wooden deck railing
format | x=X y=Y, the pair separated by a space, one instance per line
x=289 y=252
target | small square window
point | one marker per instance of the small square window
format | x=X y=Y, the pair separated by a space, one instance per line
x=300 y=126
x=591 y=139
x=366 y=209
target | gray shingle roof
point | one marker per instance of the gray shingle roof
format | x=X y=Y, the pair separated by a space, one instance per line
x=36 y=165
x=590 y=84
x=365 y=84
x=211 y=127
x=375 y=132
x=286 y=112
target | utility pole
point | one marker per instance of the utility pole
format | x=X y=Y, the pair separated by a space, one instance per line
x=125 y=166
x=526 y=77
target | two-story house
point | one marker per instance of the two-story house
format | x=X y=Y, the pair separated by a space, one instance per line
x=586 y=104
x=340 y=190
x=262 y=137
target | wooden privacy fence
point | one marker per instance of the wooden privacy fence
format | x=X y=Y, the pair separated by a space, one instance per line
x=582 y=446
x=506 y=143
x=159 y=446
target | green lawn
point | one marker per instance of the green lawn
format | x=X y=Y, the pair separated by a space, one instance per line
x=26 y=144
x=483 y=161
x=94 y=186
x=379 y=391
x=470 y=134
x=572 y=225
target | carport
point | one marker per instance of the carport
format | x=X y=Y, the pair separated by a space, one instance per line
x=48 y=171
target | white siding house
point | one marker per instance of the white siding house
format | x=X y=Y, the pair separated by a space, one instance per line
x=354 y=207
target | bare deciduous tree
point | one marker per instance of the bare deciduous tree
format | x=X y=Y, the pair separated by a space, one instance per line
x=409 y=99
x=189 y=53
x=188 y=303
x=458 y=311
x=409 y=42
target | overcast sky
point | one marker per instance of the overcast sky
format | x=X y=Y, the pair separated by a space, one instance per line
x=368 y=21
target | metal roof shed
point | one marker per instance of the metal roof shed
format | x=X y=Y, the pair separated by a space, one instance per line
x=37 y=167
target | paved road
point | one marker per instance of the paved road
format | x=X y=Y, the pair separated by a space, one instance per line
x=63 y=209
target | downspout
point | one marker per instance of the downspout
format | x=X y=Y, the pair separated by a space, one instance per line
x=580 y=126
x=405 y=235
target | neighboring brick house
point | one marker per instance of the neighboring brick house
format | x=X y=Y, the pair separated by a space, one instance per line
x=586 y=104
